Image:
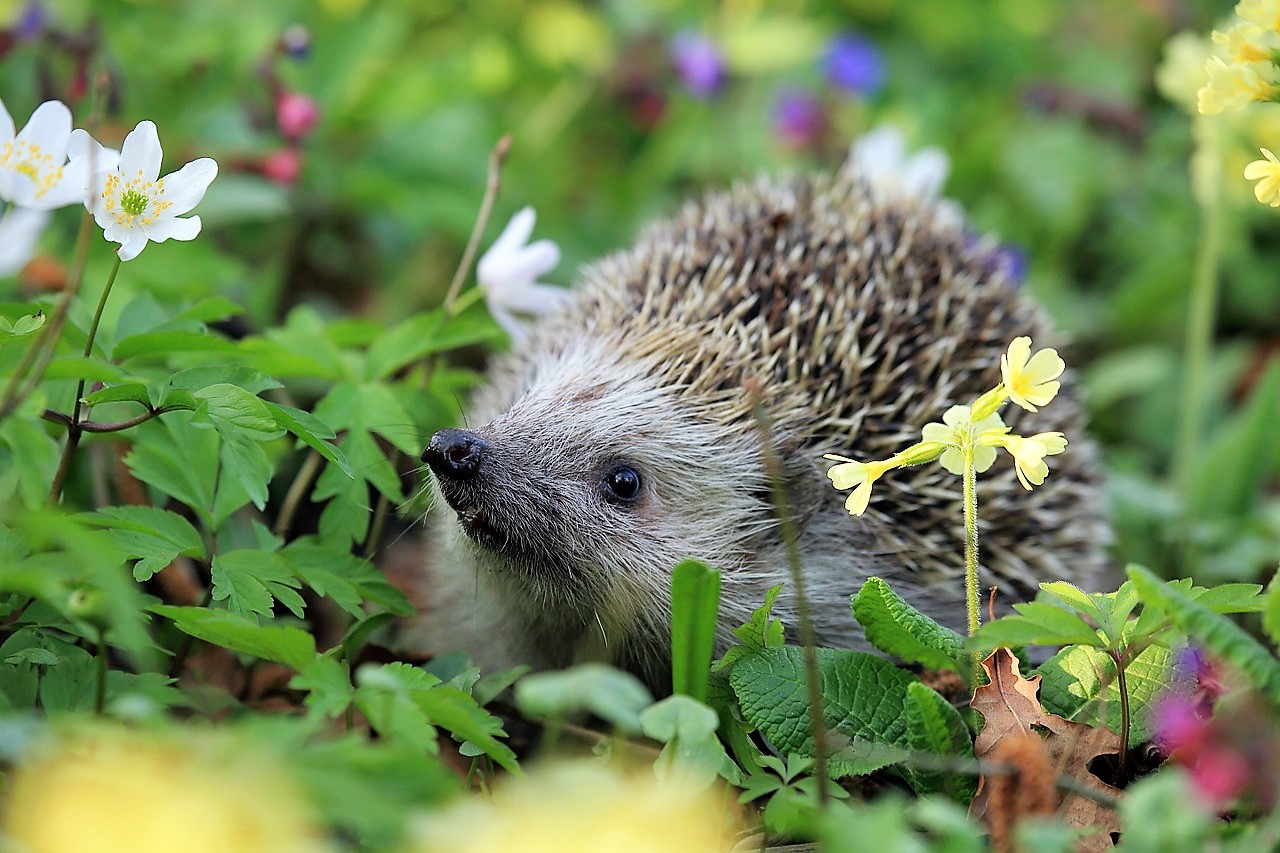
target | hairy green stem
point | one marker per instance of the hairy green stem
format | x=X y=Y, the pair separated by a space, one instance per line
x=74 y=431
x=971 y=538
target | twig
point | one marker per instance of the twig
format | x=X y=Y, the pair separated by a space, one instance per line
x=293 y=498
x=114 y=426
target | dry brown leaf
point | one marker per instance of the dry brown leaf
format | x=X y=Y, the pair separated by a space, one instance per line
x=1010 y=705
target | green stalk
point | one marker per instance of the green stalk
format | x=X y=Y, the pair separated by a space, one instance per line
x=74 y=431
x=971 y=537
x=1206 y=169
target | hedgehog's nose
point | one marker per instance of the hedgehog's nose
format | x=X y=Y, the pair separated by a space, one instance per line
x=455 y=453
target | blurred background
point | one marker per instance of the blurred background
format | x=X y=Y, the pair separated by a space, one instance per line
x=353 y=137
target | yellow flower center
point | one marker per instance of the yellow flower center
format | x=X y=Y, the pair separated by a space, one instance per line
x=33 y=163
x=137 y=202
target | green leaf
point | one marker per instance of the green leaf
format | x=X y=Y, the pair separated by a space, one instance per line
x=1227 y=480
x=28 y=460
x=179 y=460
x=383 y=695
x=896 y=628
x=1271 y=615
x=611 y=694
x=1230 y=598
x=454 y=710
x=864 y=698
x=763 y=631
x=234 y=409
x=245 y=464
x=249 y=379
x=934 y=726
x=164 y=343
x=292 y=647
x=310 y=430
x=328 y=685
x=1073 y=596
x=1079 y=683
x=130 y=392
x=154 y=537
x=1036 y=623
x=248 y=580
x=79 y=367
x=1217 y=634
x=425 y=334
x=695 y=601
x=347 y=579
x=691 y=752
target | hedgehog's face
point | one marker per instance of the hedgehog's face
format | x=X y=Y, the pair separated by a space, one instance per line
x=590 y=484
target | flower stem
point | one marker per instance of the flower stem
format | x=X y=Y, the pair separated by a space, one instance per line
x=1206 y=182
x=971 y=539
x=100 y=698
x=74 y=431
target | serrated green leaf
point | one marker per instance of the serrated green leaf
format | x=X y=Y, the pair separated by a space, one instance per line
x=164 y=343
x=423 y=335
x=249 y=379
x=153 y=536
x=454 y=710
x=895 y=627
x=864 y=698
x=249 y=580
x=383 y=695
x=347 y=579
x=763 y=631
x=1074 y=596
x=245 y=463
x=233 y=409
x=130 y=392
x=311 y=431
x=934 y=726
x=611 y=694
x=28 y=460
x=1230 y=597
x=695 y=602
x=328 y=685
x=290 y=646
x=1217 y=634
x=1079 y=683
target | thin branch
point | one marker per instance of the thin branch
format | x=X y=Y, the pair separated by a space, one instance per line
x=114 y=426
x=496 y=158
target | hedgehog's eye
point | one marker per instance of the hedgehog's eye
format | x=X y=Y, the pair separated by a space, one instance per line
x=622 y=484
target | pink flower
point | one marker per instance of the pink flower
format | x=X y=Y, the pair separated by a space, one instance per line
x=1177 y=724
x=282 y=166
x=296 y=114
x=1219 y=775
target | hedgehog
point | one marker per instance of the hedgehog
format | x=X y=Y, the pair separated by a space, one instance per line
x=619 y=437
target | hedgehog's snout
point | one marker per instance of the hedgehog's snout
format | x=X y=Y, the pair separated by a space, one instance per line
x=455 y=454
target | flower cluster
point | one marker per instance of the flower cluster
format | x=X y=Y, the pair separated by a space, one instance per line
x=1249 y=72
x=969 y=435
x=48 y=165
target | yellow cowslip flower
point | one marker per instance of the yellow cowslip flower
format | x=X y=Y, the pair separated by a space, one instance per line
x=581 y=806
x=1267 y=174
x=1029 y=453
x=1265 y=13
x=1181 y=72
x=1248 y=43
x=109 y=789
x=1235 y=85
x=859 y=476
x=956 y=430
x=1030 y=379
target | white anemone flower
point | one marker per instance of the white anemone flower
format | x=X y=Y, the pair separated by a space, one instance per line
x=880 y=157
x=508 y=274
x=133 y=204
x=34 y=172
x=20 y=230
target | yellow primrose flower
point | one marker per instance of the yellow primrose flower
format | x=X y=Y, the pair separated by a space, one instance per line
x=858 y=476
x=1265 y=13
x=1235 y=85
x=1182 y=71
x=1029 y=453
x=107 y=789
x=581 y=806
x=1267 y=174
x=1028 y=378
x=956 y=430
x=1248 y=43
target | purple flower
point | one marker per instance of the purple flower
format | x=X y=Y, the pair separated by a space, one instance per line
x=31 y=23
x=698 y=62
x=854 y=64
x=799 y=119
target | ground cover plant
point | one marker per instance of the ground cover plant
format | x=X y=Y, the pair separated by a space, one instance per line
x=209 y=446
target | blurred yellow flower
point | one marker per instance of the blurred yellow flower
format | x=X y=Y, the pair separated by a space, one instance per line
x=1029 y=453
x=858 y=476
x=563 y=33
x=1248 y=43
x=108 y=789
x=581 y=806
x=958 y=429
x=1182 y=72
x=1235 y=85
x=1265 y=13
x=1028 y=378
x=1267 y=173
